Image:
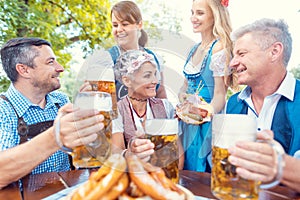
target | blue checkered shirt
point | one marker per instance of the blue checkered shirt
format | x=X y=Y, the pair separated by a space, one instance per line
x=32 y=114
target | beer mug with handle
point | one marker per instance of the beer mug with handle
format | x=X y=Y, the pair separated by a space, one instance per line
x=164 y=134
x=227 y=129
x=93 y=154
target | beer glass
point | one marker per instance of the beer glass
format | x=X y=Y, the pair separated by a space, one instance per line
x=102 y=79
x=95 y=153
x=164 y=134
x=227 y=129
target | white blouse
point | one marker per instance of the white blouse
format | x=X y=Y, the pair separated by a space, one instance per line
x=118 y=126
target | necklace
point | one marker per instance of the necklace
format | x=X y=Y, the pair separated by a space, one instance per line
x=141 y=117
x=135 y=99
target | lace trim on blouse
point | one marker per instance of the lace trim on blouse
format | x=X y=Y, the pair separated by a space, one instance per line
x=217 y=65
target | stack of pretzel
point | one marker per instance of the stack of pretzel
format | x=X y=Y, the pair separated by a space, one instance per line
x=128 y=180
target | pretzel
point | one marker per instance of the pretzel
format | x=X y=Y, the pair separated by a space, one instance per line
x=83 y=190
x=134 y=191
x=146 y=182
x=101 y=181
x=127 y=197
x=118 y=189
x=142 y=181
x=158 y=175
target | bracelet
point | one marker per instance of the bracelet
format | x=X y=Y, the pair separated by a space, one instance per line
x=57 y=135
x=124 y=152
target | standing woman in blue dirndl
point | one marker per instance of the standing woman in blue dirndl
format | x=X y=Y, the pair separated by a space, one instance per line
x=208 y=75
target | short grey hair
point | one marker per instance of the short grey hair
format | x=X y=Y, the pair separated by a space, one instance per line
x=266 y=32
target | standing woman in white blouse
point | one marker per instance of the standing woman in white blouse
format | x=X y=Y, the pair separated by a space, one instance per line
x=206 y=67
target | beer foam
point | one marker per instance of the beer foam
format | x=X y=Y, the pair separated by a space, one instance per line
x=227 y=129
x=100 y=101
x=228 y=139
x=100 y=73
x=161 y=126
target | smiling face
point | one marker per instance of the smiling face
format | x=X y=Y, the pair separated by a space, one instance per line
x=142 y=83
x=45 y=74
x=202 y=18
x=250 y=61
x=126 y=34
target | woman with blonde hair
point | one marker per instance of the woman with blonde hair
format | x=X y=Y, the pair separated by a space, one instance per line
x=207 y=75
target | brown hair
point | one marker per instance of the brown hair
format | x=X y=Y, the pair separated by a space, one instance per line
x=129 y=11
x=20 y=51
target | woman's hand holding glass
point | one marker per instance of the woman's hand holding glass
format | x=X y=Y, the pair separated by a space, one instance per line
x=141 y=147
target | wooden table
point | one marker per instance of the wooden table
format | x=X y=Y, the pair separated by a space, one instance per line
x=11 y=192
x=43 y=185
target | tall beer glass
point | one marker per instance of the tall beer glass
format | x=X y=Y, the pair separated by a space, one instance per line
x=164 y=134
x=102 y=79
x=95 y=153
x=227 y=129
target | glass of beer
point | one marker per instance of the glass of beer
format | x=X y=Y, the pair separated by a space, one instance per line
x=102 y=79
x=94 y=154
x=227 y=129
x=164 y=134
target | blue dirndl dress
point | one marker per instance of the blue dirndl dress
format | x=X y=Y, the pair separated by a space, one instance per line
x=196 y=139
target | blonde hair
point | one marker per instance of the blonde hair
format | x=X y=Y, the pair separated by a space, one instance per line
x=222 y=30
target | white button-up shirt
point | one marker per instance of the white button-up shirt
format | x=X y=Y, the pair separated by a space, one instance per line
x=265 y=117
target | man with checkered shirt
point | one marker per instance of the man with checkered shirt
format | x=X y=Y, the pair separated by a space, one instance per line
x=29 y=108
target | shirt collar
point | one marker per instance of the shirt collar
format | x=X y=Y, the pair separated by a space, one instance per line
x=245 y=93
x=21 y=104
x=286 y=88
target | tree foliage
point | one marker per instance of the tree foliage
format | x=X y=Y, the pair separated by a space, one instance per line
x=296 y=72
x=71 y=23
x=62 y=22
